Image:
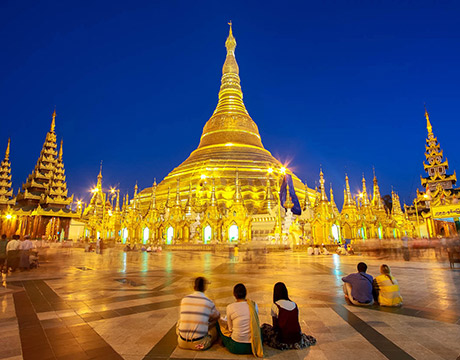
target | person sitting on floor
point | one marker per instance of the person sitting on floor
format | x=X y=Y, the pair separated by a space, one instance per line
x=240 y=331
x=285 y=332
x=386 y=288
x=316 y=250
x=357 y=287
x=196 y=328
x=310 y=250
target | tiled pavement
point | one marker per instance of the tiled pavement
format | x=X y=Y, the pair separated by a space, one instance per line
x=125 y=306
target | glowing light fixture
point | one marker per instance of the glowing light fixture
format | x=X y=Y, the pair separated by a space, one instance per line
x=283 y=170
x=203 y=176
x=9 y=216
x=94 y=190
x=270 y=170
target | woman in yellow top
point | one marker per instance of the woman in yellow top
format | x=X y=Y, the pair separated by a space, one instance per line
x=387 y=288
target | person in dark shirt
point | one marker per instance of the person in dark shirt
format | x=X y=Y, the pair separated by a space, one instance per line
x=357 y=287
x=285 y=332
x=3 y=243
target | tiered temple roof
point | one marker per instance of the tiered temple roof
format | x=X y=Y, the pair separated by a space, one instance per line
x=6 y=191
x=435 y=166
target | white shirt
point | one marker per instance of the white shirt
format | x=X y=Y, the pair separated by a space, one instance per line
x=26 y=245
x=285 y=304
x=13 y=245
x=239 y=321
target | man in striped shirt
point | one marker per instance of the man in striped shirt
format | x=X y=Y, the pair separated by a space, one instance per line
x=196 y=328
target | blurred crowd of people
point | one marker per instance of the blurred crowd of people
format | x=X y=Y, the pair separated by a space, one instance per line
x=17 y=253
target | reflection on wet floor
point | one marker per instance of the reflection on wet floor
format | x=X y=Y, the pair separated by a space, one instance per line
x=125 y=305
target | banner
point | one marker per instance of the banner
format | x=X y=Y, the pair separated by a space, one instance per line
x=446 y=211
x=295 y=200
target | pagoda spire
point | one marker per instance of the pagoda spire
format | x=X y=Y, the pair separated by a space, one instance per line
x=322 y=188
x=188 y=205
x=349 y=198
x=364 y=197
x=306 y=204
x=53 y=121
x=153 y=205
x=213 y=193
x=377 y=199
x=38 y=182
x=167 y=198
x=396 y=204
x=270 y=202
x=435 y=166
x=230 y=118
x=117 y=204
x=288 y=204
x=6 y=191
x=334 y=208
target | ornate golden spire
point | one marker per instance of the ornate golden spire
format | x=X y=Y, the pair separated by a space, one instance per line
x=349 y=197
x=53 y=122
x=230 y=122
x=60 y=151
x=99 y=177
x=213 y=194
x=154 y=195
x=307 y=203
x=321 y=183
x=288 y=204
x=428 y=123
x=377 y=199
x=7 y=152
x=365 y=198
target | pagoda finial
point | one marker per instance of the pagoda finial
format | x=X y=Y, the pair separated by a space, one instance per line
x=99 y=177
x=428 y=123
x=288 y=204
x=230 y=44
x=53 y=121
x=321 y=183
x=60 y=151
x=213 y=193
x=7 y=152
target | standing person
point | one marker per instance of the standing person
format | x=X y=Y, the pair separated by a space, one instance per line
x=98 y=245
x=101 y=246
x=12 y=253
x=358 y=287
x=3 y=244
x=25 y=247
x=196 y=328
x=285 y=332
x=241 y=333
x=387 y=288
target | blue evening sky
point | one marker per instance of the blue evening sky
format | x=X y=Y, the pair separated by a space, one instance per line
x=340 y=84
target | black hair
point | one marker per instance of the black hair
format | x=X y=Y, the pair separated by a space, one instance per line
x=200 y=284
x=3 y=236
x=280 y=292
x=240 y=291
x=16 y=237
x=362 y=267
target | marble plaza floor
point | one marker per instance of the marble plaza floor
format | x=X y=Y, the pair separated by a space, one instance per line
x=125 y=306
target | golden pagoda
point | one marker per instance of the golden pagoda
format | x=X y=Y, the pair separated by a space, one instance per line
x=230 y=141
x=43 y=204
x=6 y=191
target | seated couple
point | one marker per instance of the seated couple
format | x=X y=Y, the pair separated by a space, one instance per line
x=197 y=327
x=361 y=289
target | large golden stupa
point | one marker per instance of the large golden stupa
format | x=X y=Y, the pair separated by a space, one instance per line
x=230 y=144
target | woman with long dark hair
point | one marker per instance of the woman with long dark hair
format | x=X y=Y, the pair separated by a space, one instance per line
x=285 y=332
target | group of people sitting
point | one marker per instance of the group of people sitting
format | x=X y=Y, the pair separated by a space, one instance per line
x=362 y=290
x=17 y=253
x=200 y=323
